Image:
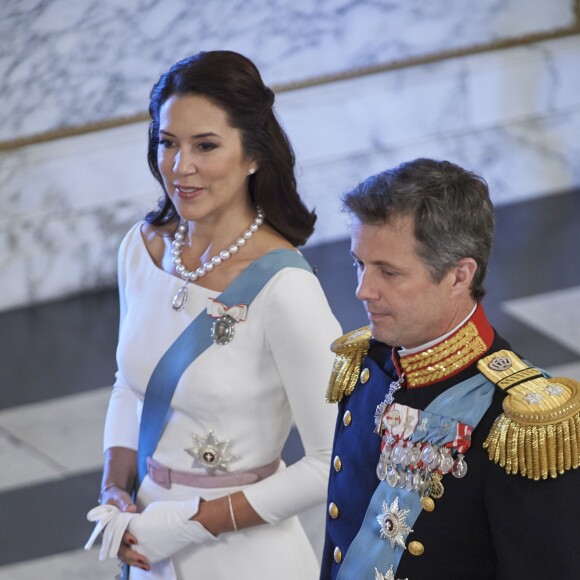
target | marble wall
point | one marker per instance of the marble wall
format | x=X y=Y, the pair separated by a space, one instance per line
x=361 y=85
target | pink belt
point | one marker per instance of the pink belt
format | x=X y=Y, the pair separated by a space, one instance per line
x=164 y=477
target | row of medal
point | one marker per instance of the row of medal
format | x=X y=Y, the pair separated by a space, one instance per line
x=418 y=466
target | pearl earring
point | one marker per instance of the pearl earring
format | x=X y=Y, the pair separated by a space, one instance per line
x=251 y=171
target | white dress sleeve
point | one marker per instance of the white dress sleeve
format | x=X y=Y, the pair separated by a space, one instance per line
x=299 y=330
x=122 y=423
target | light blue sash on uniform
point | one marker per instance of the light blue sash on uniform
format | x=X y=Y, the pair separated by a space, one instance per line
x=466 y=402
x=192 y=342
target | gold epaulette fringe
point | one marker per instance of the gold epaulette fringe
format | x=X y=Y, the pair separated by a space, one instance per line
x=538 y=434
x=350 y=349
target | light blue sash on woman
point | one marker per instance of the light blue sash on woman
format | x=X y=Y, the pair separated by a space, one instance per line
x=192 y=342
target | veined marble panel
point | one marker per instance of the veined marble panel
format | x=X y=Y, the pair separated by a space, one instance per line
x=454 y=96
x=67 y=203
x=68 y=63
x=48 y=257
x=76 y=174
x=519 y=161
x=327 y=123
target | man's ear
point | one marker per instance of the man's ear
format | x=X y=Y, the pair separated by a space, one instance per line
x=464 y=272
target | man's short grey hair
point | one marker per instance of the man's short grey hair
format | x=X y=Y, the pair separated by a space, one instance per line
x=453 y=213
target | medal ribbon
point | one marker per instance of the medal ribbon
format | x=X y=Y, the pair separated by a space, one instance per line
x=404 y=423
x=217 y=309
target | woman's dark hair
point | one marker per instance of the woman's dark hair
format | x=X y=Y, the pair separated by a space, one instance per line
x=233 y=83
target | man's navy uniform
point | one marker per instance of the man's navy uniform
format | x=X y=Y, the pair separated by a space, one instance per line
x=473 y=512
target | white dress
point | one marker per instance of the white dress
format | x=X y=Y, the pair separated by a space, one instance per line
x=247 y=392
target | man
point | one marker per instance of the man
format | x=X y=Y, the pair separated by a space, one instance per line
x=453 y=458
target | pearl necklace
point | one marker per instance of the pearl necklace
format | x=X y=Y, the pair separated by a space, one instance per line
x=180 y=297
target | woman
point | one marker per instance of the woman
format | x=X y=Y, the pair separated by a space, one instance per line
x=230 y=203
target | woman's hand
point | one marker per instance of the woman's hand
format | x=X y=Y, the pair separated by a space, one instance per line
x=120 y=498
x=120 y=466
x=165 y=527
x=130 y=556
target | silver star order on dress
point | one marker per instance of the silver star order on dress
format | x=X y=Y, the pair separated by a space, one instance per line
x=211 y=454
x=180 y=297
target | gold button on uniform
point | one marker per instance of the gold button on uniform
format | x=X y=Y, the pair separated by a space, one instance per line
x=337 y=554
x=333 y=510
x=347 y=418
x=337 y=463
x=428 y=504
x=364 y=376
x=416 y=548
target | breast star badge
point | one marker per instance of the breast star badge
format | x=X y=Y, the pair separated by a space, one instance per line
x=393 y=525
x=390 y=575
x=211 y=454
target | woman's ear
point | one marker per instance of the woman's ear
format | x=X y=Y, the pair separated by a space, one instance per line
x=254 y=166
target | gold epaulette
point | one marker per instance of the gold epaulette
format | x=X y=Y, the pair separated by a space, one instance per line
x=350 y=350
x=538 y=433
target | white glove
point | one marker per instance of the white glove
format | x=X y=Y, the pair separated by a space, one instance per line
x=164 y=528
x=114 y=523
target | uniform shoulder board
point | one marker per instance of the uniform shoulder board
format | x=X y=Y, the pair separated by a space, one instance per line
x=350 y=349
x=538 y=434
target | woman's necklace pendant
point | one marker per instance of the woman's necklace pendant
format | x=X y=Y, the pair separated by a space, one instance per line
x=180 y=298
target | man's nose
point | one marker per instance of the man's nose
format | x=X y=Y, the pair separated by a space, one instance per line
x=366 y=288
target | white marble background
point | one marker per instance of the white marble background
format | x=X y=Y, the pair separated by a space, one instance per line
x=511 y=114
x=67 y=63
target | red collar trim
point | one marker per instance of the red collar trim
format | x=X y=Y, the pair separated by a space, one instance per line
x=448 y=357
